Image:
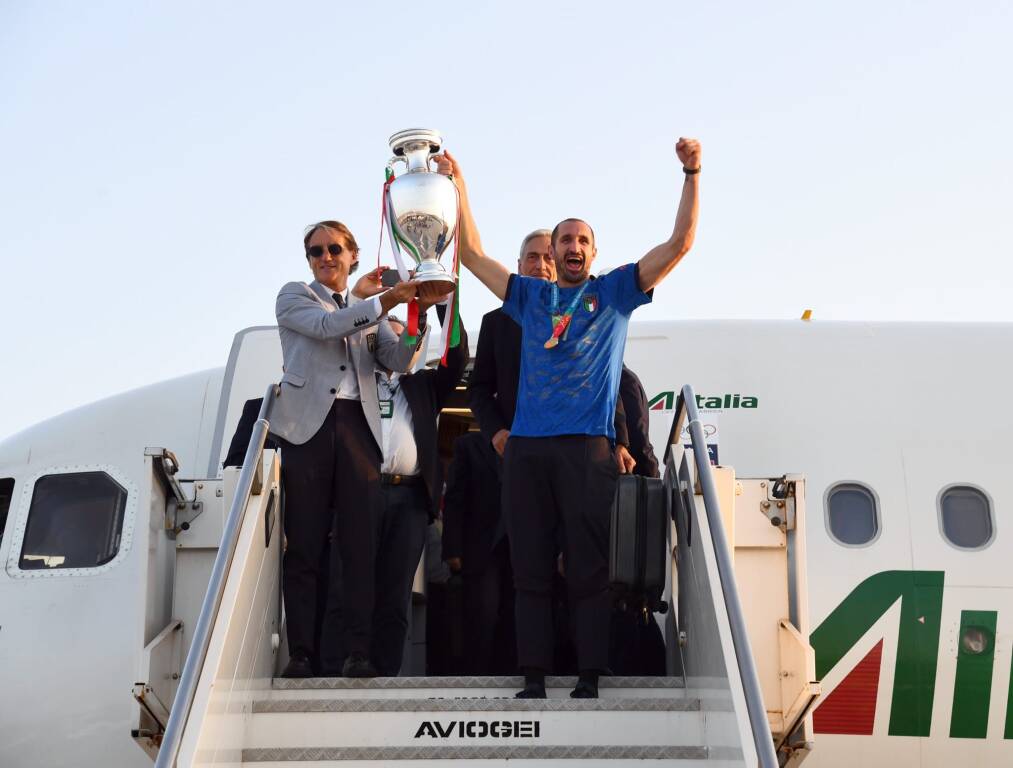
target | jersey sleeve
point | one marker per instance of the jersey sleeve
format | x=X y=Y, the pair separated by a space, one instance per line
x=517 y=297
x=623 y=288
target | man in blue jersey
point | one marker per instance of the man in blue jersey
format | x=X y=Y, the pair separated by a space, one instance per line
x=559 y=466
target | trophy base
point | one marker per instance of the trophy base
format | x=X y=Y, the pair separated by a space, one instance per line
x=435 y=276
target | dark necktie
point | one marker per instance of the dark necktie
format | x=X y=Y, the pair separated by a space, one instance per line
x=340 y=299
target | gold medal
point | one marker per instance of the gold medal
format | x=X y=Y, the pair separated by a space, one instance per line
x=553 y=341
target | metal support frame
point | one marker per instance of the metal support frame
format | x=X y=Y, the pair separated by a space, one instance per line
x=686 y=412
x=179 y=510
x=169 y=751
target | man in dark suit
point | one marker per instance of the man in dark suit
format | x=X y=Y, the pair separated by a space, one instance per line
x=492 y=389
x=475 y=544
x=244 y=431
x=637 y=424
x=367 y=619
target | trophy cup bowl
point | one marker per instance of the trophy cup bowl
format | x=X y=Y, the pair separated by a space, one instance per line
x=423 y=207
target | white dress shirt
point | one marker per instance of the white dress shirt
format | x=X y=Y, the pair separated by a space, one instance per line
x=348 y=384
x=400 y=454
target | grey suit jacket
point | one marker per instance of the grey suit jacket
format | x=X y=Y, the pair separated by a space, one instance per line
x=317 y=340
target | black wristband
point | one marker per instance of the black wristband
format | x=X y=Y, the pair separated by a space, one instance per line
x=691 y=171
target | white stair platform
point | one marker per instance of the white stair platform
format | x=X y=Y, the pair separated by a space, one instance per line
x=476 y=721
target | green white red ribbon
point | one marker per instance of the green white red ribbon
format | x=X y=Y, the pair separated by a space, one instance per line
x=452 y=324
x=411 y=334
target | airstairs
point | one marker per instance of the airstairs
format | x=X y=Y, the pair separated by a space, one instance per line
x=739 y=690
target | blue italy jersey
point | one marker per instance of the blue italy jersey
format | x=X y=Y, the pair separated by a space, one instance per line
x=571 y=389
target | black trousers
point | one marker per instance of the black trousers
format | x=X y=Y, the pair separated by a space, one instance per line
x=560 y=486
x=372 y=570
x=489 y=614
x=330 y=480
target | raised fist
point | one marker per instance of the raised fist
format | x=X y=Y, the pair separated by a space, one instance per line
x=688 y=152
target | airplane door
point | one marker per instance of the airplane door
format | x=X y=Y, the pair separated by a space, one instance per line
x=66 y=603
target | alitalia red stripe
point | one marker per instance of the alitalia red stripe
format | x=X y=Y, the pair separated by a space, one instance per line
x=851 y=707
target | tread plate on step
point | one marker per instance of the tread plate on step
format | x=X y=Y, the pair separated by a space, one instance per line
x=449 y=752
x=335 y=683
x=476 y=705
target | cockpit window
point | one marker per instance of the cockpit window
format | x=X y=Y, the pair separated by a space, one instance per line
x=6 y=494
x=965 y=517
x=852 y=514
x=75 y=521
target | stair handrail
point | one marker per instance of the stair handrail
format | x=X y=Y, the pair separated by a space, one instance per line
x=760 y=727
x=168 y=752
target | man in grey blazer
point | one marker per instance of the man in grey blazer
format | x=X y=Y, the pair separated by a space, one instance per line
x=327 y=419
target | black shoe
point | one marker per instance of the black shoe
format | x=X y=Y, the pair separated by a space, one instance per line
x=531 y=691
x=584 y=690
x=587 y=686
x=299 y=665
x=357 y=665
x=534 y=684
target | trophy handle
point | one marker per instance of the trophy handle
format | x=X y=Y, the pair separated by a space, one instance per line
x=404 y=159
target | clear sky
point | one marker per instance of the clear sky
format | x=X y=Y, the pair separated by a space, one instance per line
x=159 y=161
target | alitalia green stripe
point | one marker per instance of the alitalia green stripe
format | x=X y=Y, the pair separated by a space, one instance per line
x=972 y=689
x=1008 y=734
x=921 y=596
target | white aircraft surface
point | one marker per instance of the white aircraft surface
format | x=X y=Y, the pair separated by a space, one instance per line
x=902 y=433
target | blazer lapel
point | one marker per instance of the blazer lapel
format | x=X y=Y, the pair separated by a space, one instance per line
x=325 y=294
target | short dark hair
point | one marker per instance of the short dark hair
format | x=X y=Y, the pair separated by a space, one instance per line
x=555 y=230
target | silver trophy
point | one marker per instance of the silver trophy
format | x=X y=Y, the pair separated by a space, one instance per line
x=422 y=205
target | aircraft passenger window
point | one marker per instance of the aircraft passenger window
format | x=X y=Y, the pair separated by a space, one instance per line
x=74 y=521
x=965 y=516
x=852 y=514
x=6 y=494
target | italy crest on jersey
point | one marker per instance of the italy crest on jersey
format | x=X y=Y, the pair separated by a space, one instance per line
x=590 y=302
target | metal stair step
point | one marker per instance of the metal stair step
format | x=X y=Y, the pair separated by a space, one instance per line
x=474 y=687
x=685 y=755
x=655 y=704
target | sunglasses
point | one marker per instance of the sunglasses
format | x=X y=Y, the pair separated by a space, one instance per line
x=316 y=251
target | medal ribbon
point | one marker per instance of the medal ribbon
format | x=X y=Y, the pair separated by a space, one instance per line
x=562 y=322
x=452 y=320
